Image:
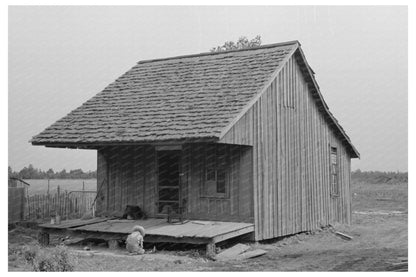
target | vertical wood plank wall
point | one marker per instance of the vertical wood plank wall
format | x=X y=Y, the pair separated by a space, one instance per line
x=291 y=160
x=238 y=206
x=129 y=174
x=129 y=178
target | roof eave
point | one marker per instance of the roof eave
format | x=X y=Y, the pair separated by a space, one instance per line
x=99 y=144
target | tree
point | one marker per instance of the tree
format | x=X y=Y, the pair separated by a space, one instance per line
x=76 y=174
x=50 y=173
x=62 y=174
x=10 y=172
x=242 y=43
x=30 y=172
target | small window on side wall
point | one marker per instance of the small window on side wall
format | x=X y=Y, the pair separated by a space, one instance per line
x=215 y=184
x=221 y=182
x=334 y=172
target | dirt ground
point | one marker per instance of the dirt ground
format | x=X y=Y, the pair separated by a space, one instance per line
x=379 y=231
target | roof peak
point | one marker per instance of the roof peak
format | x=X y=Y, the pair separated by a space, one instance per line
x=292 y=42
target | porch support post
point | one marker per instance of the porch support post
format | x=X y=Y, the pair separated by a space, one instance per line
x=43 y=238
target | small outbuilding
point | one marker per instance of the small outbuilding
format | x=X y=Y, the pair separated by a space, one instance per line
x=237 y=136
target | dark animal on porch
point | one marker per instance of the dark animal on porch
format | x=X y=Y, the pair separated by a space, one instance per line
x=134 y=212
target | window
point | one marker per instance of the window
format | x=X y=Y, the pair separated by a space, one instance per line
x=334 y=172
x=221 y=181
x=215 y=183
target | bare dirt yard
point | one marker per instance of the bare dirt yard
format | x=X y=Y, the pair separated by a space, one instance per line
x=379 y=232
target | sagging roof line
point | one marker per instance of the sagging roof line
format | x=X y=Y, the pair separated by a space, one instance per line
x=221 y=52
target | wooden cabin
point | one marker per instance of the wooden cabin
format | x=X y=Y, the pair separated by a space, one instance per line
x=235 y=136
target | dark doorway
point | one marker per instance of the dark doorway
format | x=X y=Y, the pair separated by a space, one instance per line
x=168 y=162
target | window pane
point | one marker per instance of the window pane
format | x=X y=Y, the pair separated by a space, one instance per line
x=334 y=184
x=168 y=168
x=210 y=175
x=169 y=194
x=333 y=155
x=221 y=181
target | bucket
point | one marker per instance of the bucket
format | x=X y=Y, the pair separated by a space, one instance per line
x=58 y=220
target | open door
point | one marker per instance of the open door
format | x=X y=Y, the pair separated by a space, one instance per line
x=169 y=188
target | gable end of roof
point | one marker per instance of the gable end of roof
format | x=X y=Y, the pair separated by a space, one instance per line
x=310 y=74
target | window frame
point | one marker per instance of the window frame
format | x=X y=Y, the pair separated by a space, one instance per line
x=209 y=185
x=334 y=172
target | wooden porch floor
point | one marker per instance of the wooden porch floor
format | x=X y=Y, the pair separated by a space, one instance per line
x=157 y=230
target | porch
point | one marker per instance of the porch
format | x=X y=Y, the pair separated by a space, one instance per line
x=157 y=230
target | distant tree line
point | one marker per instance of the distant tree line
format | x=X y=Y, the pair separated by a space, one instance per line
x=31 y=172
x=379 y=177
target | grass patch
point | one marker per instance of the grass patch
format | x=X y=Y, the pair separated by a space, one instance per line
x=55 y=258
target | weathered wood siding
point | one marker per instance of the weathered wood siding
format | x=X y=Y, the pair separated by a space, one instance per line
x=129 y=177
x=238 y=206
x=291 y=142
x=17 y=199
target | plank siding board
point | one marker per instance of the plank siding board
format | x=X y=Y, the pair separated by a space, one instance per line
x=139 y=176
x=277 y=157
x=291 y=164
x=102 y=182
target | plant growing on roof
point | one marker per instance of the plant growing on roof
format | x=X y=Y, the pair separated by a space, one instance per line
x=242 y=43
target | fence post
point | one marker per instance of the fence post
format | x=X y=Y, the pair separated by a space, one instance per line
x=26 y=203
x=42 y=200
x=58 y=201
x=93 y=210
x=66 y=204
x=83 y=199
x=36 y=206
x=48 y=205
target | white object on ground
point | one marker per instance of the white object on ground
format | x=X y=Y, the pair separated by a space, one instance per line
x=134 y=241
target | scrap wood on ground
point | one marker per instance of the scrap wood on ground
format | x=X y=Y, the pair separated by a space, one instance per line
x=239 y=252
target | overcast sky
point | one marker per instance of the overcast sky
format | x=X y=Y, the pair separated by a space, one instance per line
x=59 y=57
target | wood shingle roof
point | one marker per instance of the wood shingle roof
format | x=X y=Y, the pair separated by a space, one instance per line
x=187 y=97
x=184 y=98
